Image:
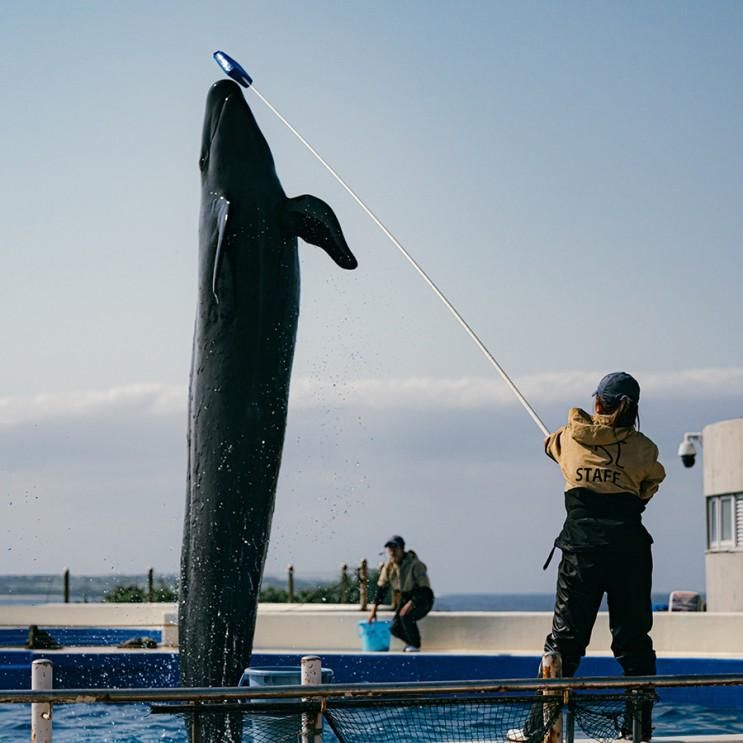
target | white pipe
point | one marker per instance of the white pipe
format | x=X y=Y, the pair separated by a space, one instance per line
x=311 y=676
x=41 y=712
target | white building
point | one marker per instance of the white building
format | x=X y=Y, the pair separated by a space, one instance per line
x=723 y=492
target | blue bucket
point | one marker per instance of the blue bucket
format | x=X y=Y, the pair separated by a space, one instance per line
x=375 y=636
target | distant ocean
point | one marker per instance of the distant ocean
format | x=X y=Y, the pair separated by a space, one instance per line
x=495 y=602
x=48 y=589
x=42 y=589
x=515 y=602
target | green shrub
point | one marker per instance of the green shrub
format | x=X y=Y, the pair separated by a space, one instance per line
x=322 y=593
x=133 y=594
x=126 y=595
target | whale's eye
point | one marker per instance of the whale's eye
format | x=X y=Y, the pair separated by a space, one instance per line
x=203 y=160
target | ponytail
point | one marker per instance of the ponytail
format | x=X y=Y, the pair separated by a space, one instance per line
x=623 y=414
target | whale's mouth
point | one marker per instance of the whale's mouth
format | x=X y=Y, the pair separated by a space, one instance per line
x=231 y=142
x=215 y=128
x=213 y=131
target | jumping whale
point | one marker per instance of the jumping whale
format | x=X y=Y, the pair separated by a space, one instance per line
x=243 y=346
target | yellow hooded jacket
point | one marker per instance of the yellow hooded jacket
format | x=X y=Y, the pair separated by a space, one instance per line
x=593 y=455
x=610 y=475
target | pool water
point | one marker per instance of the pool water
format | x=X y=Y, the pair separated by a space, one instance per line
x=688 y=711
x=133 y=723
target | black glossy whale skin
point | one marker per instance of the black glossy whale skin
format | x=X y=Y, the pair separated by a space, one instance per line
x=246 y=323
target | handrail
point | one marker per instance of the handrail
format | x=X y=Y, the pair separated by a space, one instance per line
x=116 y=696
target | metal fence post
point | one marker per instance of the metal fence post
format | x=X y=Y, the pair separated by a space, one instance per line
x=150 y=585
x=363 y=585
x=66 y=581
x=552 y=669
x=41 y=712
x=290 y=584
x=636 y=717
x=569 y=717
x=344 y=584
x=311 y=721
x=196 y=724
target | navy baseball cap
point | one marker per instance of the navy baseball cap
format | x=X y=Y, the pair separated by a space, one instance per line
x=613 y=387
x=395 y=541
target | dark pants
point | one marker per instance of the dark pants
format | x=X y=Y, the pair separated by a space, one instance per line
x=406 y=628
x=626 y=578
x=582 y=580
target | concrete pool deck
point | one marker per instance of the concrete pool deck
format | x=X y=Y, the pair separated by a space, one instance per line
x=325 y=628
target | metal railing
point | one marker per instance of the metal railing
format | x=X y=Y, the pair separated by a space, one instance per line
x=399 y=689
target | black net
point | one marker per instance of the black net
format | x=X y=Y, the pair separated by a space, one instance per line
x=261 y=722
x=487 y=719
x=480 y=719
x=606 y=717
x=266 y=728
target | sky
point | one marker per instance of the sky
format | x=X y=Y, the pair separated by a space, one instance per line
x=570 y=174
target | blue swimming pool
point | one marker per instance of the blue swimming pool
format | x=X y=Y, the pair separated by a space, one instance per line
x=158 y=668
x=689 y=710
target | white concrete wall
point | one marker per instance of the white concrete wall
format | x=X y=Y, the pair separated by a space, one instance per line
x=317 y=628
x=723 y=473
x=724 y=580
x=723 y=457
x=86 y=615
x=501 y=632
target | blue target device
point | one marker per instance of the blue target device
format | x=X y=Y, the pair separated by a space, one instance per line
x=232 y=68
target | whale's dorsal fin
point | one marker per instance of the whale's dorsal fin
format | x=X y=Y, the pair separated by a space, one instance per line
x=315 y=222
x=222 y=209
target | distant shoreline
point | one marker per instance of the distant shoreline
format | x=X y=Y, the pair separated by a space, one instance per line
x=446 y=602
x=46 y=588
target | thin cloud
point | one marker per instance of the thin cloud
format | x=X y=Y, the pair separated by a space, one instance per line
x=146 y=399
x=480 y=392
x=416 y=393
x=360 y=460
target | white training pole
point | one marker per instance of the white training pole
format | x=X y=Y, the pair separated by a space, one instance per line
x=489 y=356
x=41 y=713
x=237 y=73
x=311 y=676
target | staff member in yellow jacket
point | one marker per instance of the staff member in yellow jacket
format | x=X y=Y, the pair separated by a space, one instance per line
x=405 y=573
x=611 y=471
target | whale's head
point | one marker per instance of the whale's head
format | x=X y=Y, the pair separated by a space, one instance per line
x=242 y=198
x=234 y=153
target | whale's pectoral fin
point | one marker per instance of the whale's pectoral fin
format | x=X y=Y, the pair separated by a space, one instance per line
x=222 y=209
x=315 y=222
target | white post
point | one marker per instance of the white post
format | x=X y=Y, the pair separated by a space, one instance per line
x=41 y=713
x=311 y=676
x=552 y=669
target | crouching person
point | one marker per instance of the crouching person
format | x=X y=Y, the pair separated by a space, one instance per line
x=407 y=576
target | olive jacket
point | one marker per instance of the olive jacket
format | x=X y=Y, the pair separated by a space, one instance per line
x=409 y=577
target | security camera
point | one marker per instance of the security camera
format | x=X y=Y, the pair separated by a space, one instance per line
x=687 y=450
x=688 y=453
